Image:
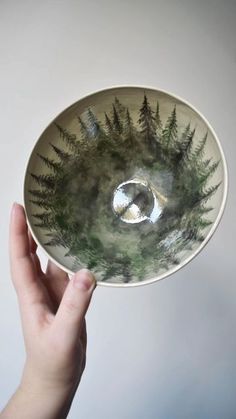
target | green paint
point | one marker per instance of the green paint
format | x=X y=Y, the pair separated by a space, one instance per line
x=73 y=203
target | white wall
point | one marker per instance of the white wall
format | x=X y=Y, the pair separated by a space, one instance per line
x=167 y=350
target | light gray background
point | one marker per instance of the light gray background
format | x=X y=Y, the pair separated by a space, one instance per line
x=168 y=350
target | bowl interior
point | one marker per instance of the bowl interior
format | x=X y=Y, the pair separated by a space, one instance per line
x=128 y=182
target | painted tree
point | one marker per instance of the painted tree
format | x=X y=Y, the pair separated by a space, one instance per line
x=206 y=173
x=169 y=134
x=147 y=121
x=159 y=126
x=129 y=129
x=85 y=134
x=50 y=163
x=108 y=125
x=184 y=153
x=91 y=129
x=45 y=181
x=93 y=125
x=63 y=156
x=182 y=142
x=121 y=109
x=69 y=139
x=198 y=153
x=117 y=124
x=204 y=196
x=42 y=198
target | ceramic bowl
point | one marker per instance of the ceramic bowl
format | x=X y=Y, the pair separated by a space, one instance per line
x=129 y=182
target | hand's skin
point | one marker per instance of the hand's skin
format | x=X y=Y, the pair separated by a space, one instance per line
x=52 y=309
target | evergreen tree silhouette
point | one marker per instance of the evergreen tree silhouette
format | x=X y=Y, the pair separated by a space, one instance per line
x=159 y=126
x=51 y=164
x=117 y=125
x=129 y=130
x=41 y=194
x=120 y=108
x=69 y=139
x=210 y=170
x=43 y=204
x=93 y=125
x=186 y=149
x=44 y=220
x=205 y=173
x=205 y=196
x=45 y=181
x=83 y=129
x=63 y=156
x=169 y=135
x=89 y=130
x=147 y=121
x=184 y=138
x=108 y=124
x=198 y=153
x=42 y=198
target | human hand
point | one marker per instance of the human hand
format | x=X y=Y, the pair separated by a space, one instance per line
x=52 y=309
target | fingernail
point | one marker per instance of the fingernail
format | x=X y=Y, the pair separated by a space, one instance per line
x=84 y=280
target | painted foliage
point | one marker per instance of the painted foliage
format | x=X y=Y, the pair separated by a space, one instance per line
x=73 y=200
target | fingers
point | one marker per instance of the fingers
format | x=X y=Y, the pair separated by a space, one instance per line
x=69 y=319
x=33 y=246
x=19 y=241
x=23 y=269
x=56 y=281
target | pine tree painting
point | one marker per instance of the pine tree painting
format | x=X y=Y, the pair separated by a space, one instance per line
x=73 y=199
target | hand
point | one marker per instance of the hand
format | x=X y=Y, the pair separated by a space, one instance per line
x=52 y=309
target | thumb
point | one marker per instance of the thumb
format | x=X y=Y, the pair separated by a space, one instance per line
x=74 y=304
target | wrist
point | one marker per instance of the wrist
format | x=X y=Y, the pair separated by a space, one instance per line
x=37 y=378
x=37 y=400
x=39 y=397
x=33 y=399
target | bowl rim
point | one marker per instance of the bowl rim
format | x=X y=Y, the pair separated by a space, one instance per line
x=214 y=225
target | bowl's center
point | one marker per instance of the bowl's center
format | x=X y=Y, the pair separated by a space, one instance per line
x=134 y=201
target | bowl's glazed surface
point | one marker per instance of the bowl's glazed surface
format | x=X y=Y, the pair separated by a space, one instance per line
x=128 y=182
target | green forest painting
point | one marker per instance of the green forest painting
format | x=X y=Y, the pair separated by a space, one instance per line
x=163 y=164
